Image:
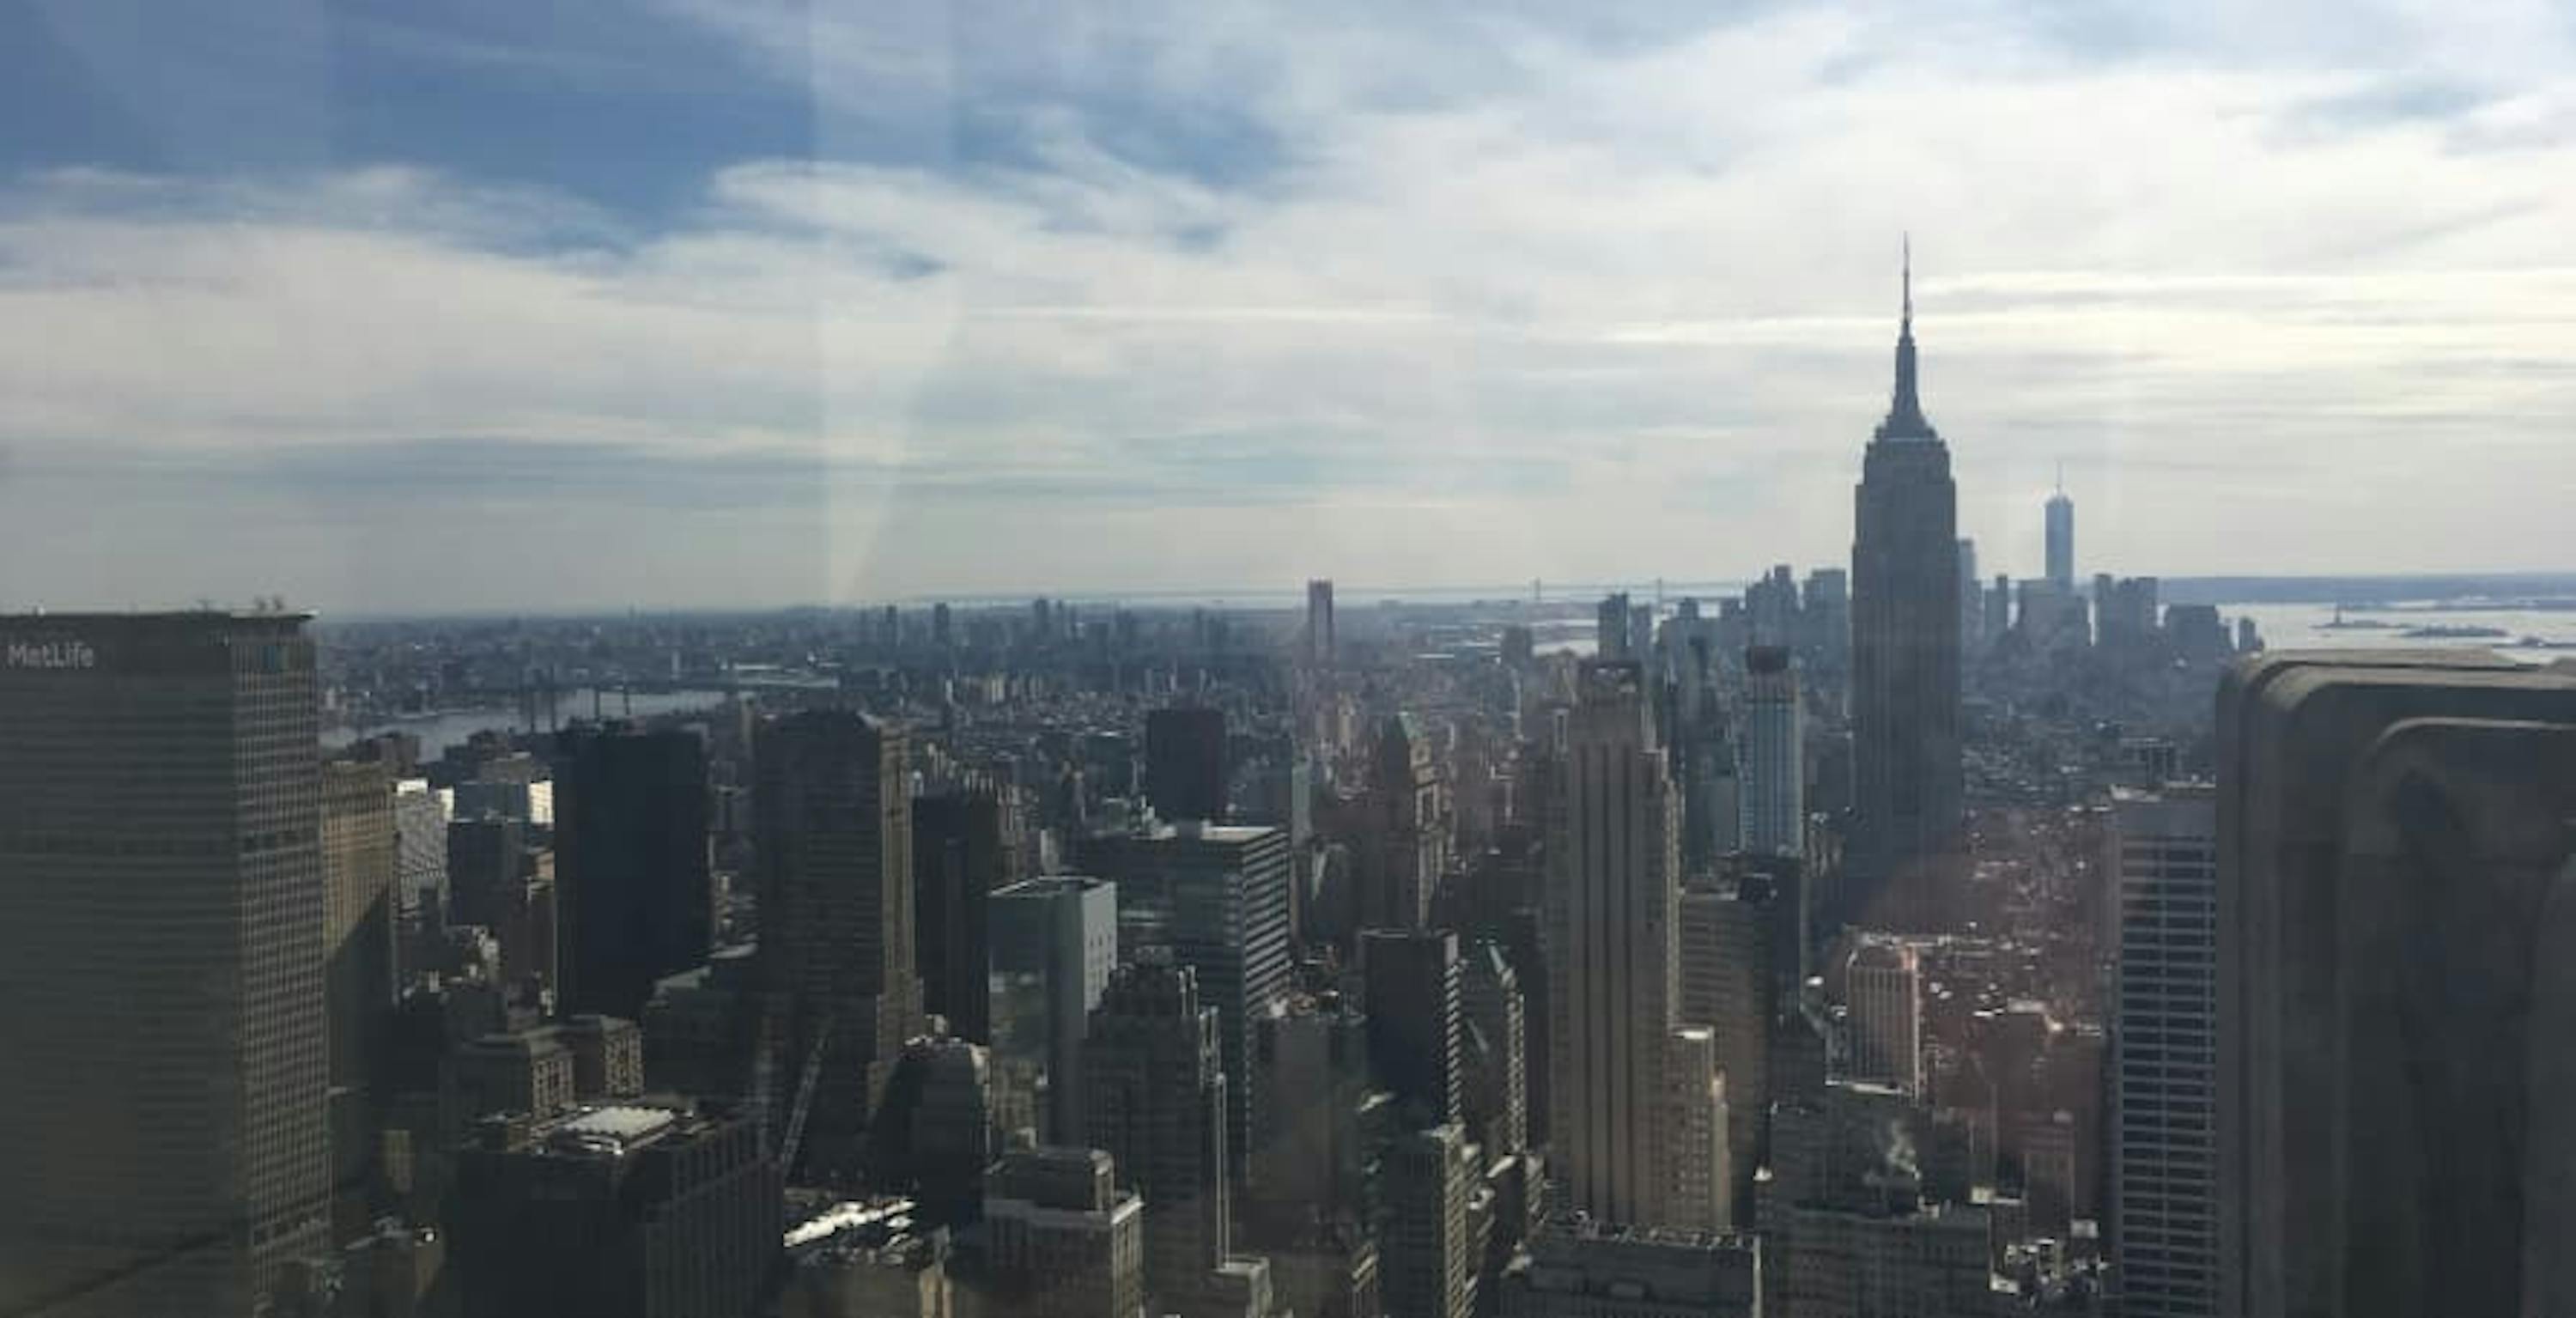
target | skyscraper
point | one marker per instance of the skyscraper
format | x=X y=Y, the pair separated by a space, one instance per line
x=1905 y=655
x=1319 y=622
x=1406 y=839
x=1154 y=1100
x=1054 y=942
x=638 y=1209
x=420 y=822
x=1610 y=627
x=1426 y=1254
x=1972 y=596
x=1311 y=1157
x=1612 y=847
x=1497 y=1087
x=358 y=865
x=636 y=895
x=162 y=1118
x=1185 y=764
x=1413 y=980
x=1062 y=1240
x=1885 y=983
x=1771 y=779
x=836 y=940
x=1824 y=617
x=1217 y=897
x=2164 y=1054
x=933 y=1137
x=1315 y=1159
x=1695 y=1133
x=2061 y=539
x=358 y=877
x=956 y=864
x=1727 y=983
x=2396 y=1016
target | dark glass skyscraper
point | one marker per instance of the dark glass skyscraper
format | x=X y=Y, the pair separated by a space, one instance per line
x=631 y=855
x=2061 y=540
x=956 y=865
x=836 y=942
x=1413 y=983
x=1185 y=769
x=1905 y=655
x=162 y=1112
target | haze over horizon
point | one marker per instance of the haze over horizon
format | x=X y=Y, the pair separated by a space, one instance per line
x=698 y=303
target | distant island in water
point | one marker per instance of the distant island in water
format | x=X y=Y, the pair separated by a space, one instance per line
x=2521 y=590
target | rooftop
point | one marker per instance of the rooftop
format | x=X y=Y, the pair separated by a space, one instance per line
x=609 y=1132
x=1050 y=885
x=157 y=618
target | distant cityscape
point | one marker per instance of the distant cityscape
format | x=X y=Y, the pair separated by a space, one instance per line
x=1874 y=939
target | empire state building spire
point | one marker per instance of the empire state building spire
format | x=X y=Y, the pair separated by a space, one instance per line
x=1905 y=418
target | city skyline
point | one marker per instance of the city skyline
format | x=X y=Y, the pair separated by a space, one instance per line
x=675 y=744
x=1113 y=282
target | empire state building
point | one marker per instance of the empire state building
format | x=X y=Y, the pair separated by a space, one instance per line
x=1905 y=658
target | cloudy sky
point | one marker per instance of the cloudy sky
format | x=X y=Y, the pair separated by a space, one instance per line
x=523 y=303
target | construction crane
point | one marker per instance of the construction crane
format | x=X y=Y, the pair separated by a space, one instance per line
x=804 y=1097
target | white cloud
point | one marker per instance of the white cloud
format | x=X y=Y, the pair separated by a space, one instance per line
x=1569 y=306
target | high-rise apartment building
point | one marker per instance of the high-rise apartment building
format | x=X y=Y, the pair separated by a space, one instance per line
x=1612 y=850
x=1216 y=896
x=1154 y=1099
x=1771 y=782
x=1427 y=1253
x=1054 y=943
x=1185 y=763
x=1061 y=1239
x=2164 y=1054
x=2061 y=540
x=1320 y=642
x=162 y=909
x=957 y=863
x=1413 y=991
x=1884 y=981
x=1905 y=658
x=836 y=938
x=634 y=894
